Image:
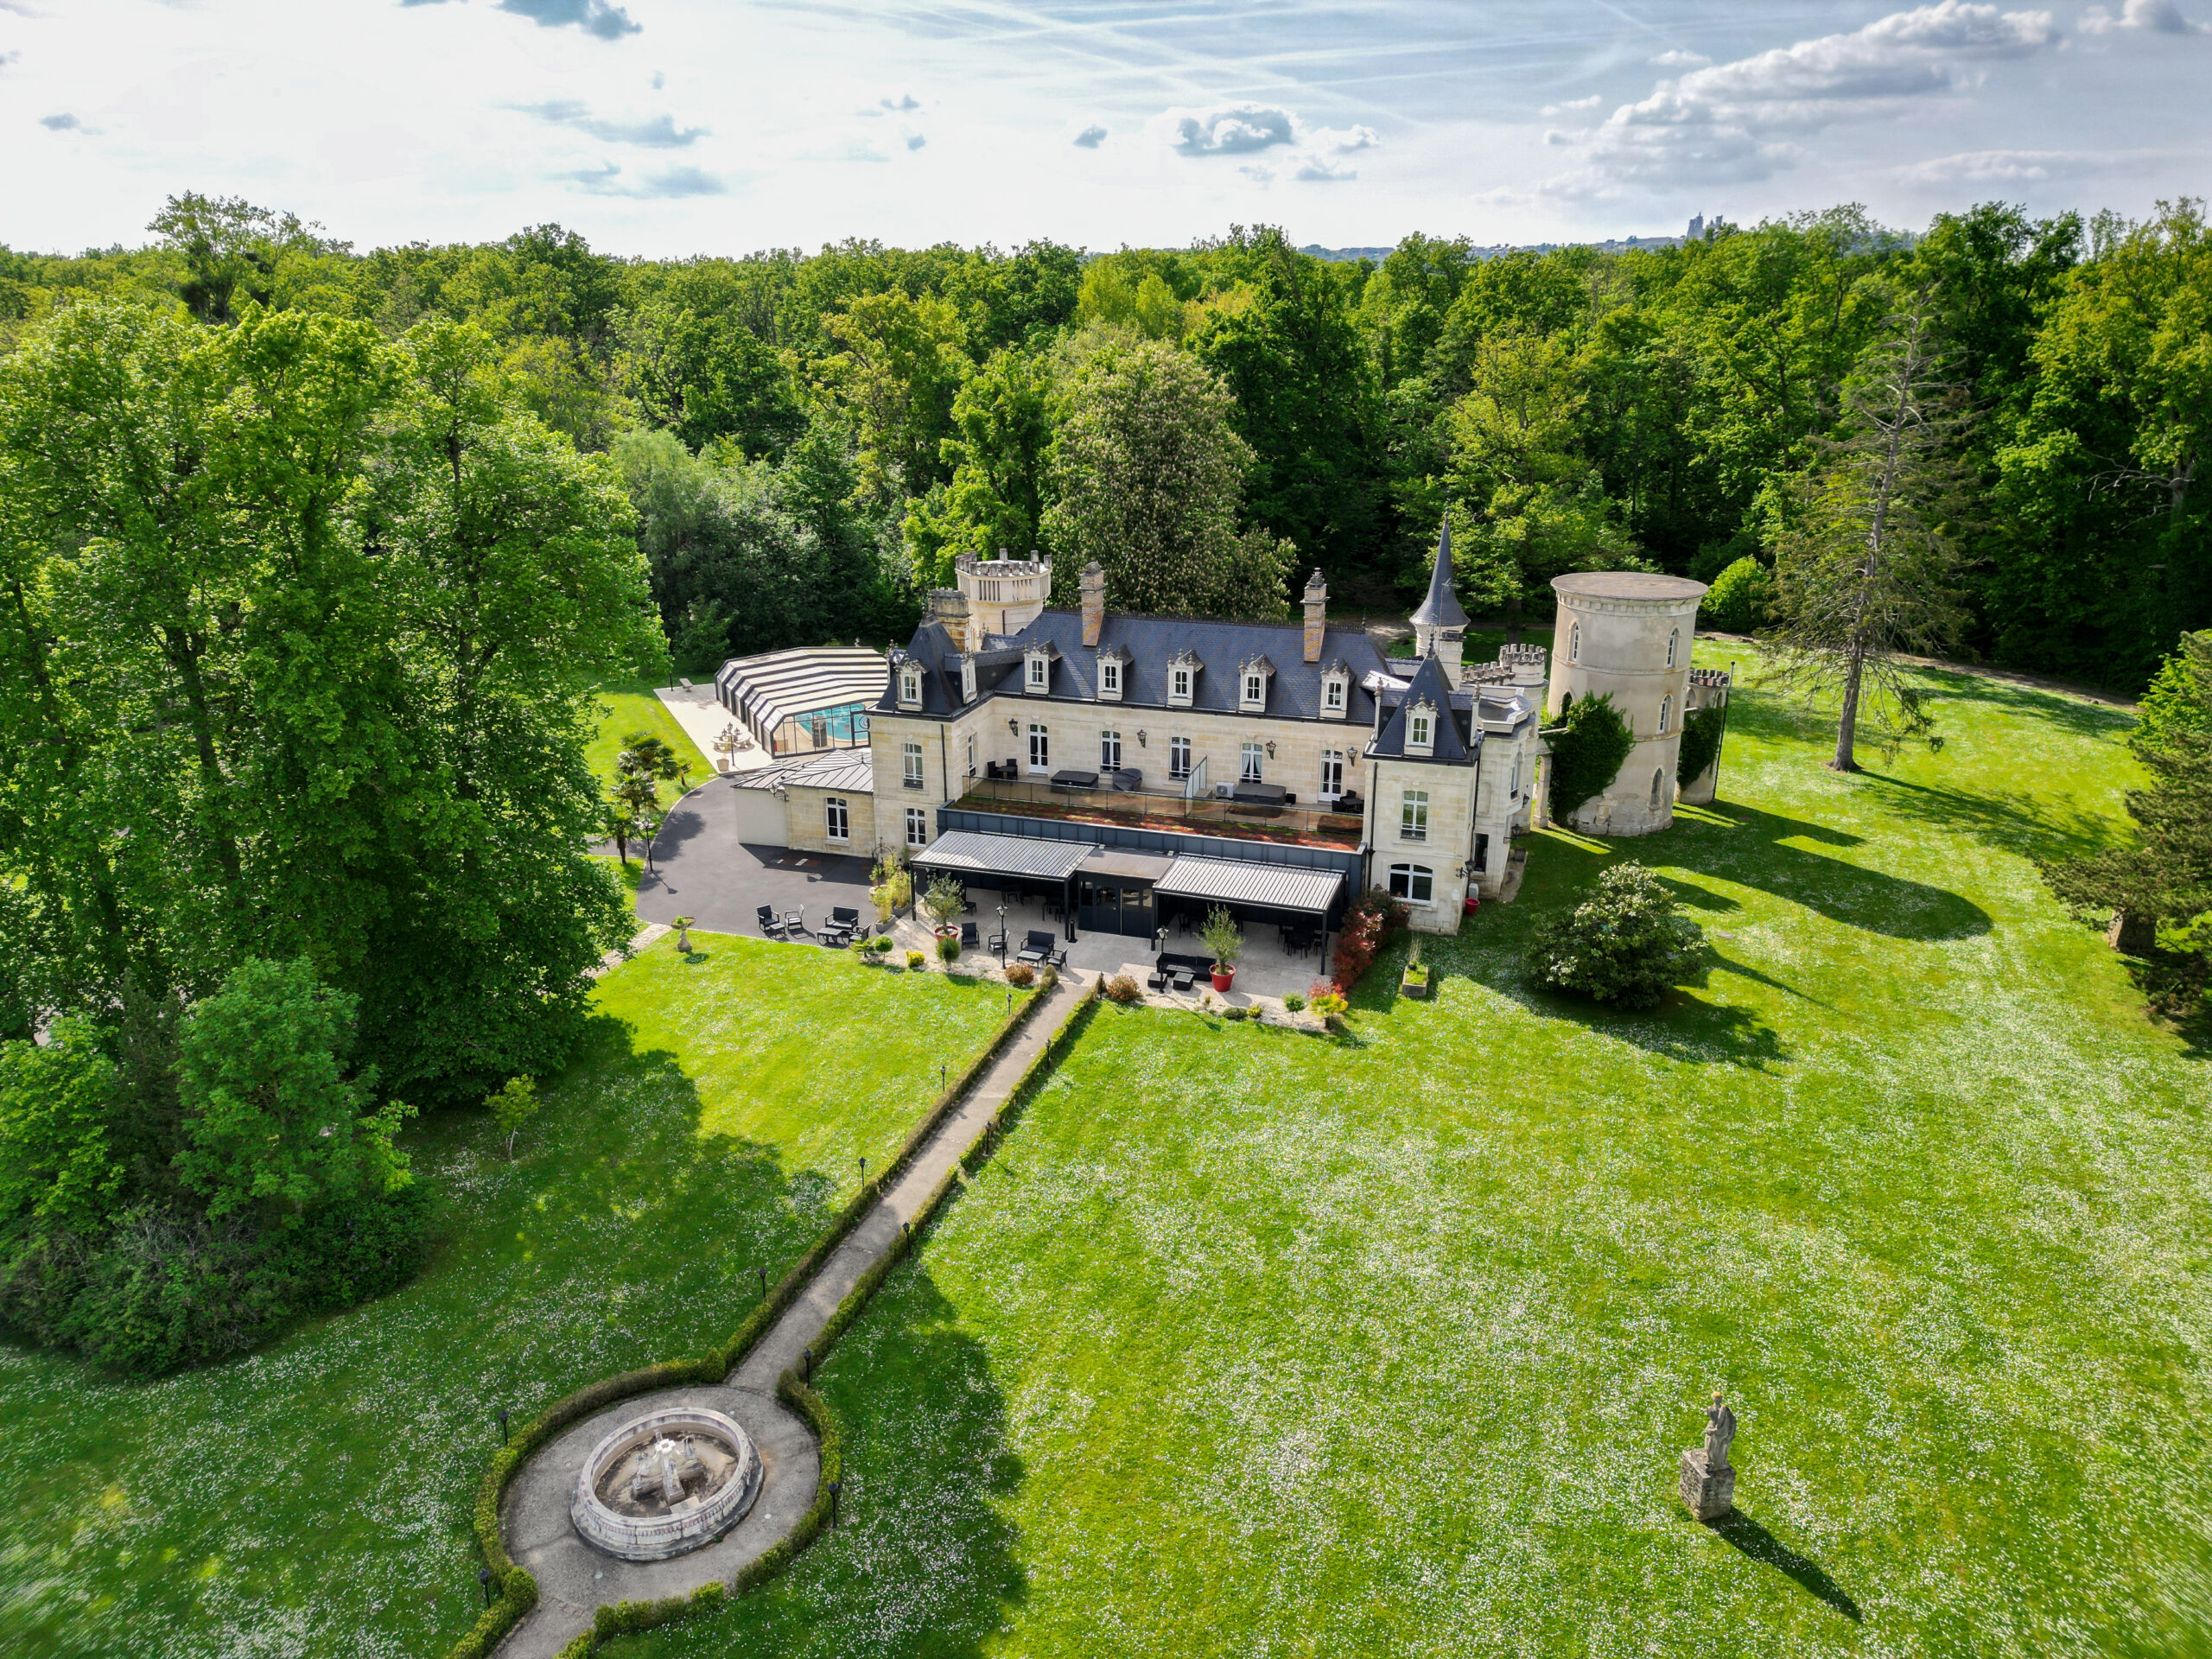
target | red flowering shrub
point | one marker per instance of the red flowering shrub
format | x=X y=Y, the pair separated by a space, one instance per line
x=1370 y=922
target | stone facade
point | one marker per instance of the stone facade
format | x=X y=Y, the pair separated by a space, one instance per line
x=1628 y=634
x=807 y=820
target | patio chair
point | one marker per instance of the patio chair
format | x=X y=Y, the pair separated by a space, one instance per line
x=771 y=923
x=1057 y=958
x=968 y=940
x=795 y=920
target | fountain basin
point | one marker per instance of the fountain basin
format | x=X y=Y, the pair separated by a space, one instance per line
x=665 y=1483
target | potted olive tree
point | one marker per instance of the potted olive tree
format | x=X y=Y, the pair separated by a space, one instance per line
x=944 y=901
x=1225 y=942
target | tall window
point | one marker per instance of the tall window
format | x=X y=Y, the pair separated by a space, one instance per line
x=1417 y=732
x=1178 y=757
x=1040 y=672
x=1412 y=815
x=1516 y=776
x=838 y=827
x=1040 y=749
x=911 y=760
x=1665 y=713
x=1673 y=643
x=1109 y=677
x=1574 y=644
x=1658 y=782
x=968 y=679
x=1414 y=883
x=1110 y=751
x=971 y=755
x=918 y=827
x=1333 y=773
x=1482 y=852
x=1182 y=684
x=1252 y=753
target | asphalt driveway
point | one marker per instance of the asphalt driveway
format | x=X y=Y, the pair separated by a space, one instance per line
x=701 y=870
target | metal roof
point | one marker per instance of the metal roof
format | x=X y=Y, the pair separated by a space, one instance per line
x=1232 y=881
x=965 y=849
x=765 y=691
x=848 y=770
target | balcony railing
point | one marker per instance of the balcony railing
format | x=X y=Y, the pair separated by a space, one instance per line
x=1155 y=810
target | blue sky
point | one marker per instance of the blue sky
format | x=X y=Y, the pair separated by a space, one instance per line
x=680 y=126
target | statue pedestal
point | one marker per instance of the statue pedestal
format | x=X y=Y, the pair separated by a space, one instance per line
x=1709 y=1493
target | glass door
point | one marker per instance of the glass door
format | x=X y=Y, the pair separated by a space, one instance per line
x=1332 y=774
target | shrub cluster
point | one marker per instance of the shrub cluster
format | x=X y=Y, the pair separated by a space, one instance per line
x=1702 y=729
x=1020 y=973
x=1122 y=988
x=1737 y=602
x=1626 y=942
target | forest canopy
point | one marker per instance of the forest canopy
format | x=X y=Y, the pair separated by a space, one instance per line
x=809 y=439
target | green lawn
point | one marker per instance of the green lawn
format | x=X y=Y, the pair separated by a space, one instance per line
x=1249 y=1342
x=632 y=707
x=313 y=1498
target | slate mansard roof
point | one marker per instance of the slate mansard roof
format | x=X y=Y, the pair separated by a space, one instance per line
x=1147 y=645
x=1454 y=743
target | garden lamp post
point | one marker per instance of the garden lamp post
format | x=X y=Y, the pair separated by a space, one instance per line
x=503 y=1425
x=763 y=1274
x=484 y=1583
x=806 y=1361
x=1001 y=935
x=835 y=1486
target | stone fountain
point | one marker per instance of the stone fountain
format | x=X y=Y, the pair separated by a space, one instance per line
x=665 y=1483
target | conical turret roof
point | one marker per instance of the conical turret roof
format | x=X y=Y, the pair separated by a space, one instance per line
x=1441 y=608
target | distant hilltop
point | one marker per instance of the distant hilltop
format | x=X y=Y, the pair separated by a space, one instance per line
x=1619 y=244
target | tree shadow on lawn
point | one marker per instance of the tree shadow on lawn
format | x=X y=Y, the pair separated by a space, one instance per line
x=1740 y=1532
x=2014 y=821
x=1895 y=906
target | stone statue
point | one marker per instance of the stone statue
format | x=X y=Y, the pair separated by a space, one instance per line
x=1708 y=1479
x=1720 y=1429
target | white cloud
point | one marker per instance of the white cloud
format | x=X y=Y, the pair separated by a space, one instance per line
x=652 y=132
x=1576 y=105
x=1980 y=167
x=2159 y=16
x=1235 y=130
x=1317 y=169
x=1679 y=58
x=607 y=180
x=1737 y=122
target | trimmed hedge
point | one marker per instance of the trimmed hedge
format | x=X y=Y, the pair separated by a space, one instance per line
x=518 y=1590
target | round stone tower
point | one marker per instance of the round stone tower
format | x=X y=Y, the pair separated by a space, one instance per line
x=1627 y=633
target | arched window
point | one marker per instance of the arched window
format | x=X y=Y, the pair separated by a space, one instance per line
x=1658 y=782
x=1574 y=644
x=1665 y=713
x=1674 y=642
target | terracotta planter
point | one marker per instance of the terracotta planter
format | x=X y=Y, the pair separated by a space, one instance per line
x=1223 y=978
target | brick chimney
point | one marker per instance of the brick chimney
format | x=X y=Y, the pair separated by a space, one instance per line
x=1094 y=602
x=1316 y=616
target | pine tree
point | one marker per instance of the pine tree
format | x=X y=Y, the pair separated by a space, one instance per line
x=1867 y=563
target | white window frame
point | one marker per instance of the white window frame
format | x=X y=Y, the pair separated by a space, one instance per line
x=1109 y=750
x=1412 y=815
x=1255 y=690
x=836 y=818
x=910 y=764
x=1110 y=678
x=1253 y=758
x=918 y=827
x=1574 y=643
x=1039 y=675
x=1041 y=747
x=1674 y=644
x=1332 y=695
x=1420 y=729
x=1516 y=776
x=971 y=755
x=967 y=679
x=910 y=686
x=1666 y=713
x=1333 y=773
x=1179 y=757
x=1179 y=684
x=1414 y=876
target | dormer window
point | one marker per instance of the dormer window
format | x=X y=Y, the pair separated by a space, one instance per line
x=910 y=686
x=1037 y=678
x=1182 y=678
x=967 y=679
x=1252 y=679
x=1113 y=662
x=1336 y=691
x=1420 y=728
